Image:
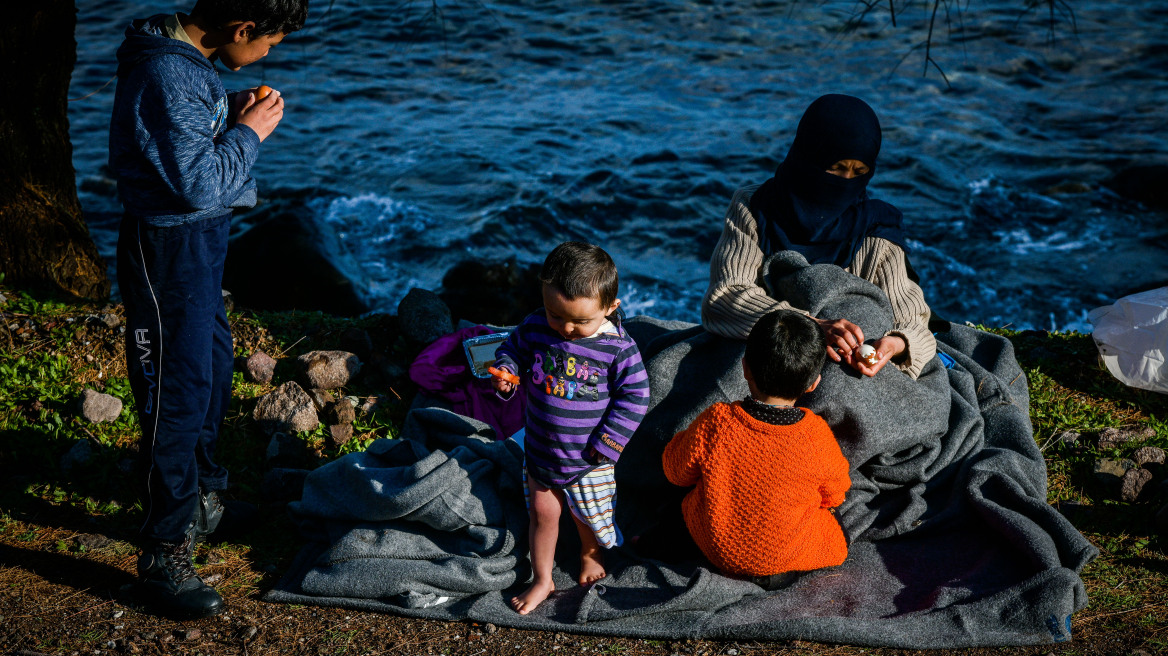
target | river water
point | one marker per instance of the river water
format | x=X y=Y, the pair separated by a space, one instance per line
x=498 y=129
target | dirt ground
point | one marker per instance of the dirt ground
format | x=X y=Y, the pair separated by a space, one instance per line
x=66 y=588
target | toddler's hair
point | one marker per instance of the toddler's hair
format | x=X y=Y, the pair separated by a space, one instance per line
x=785 y=352
x=270 y=16
x=580 y=270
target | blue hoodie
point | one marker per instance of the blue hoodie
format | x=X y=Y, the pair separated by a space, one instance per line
x=170 y=151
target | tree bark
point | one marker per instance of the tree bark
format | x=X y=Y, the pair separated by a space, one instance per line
x=44 y=242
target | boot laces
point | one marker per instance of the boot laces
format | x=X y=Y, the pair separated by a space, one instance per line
x=178 y=560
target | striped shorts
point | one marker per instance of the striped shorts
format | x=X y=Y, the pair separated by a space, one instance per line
x=592 y=500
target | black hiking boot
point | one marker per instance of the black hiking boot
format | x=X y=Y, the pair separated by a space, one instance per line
x=168 y=580
x=224 y=518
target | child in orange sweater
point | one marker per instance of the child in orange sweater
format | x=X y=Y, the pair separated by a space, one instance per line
x=766 y=474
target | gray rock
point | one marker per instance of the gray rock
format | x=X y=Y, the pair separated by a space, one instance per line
x=1148 y=455
x=284 y=483
x=1133 y=483
x=340 y=433
x=423 y=316
x=321 y=398
x=287 y=449
x=1110 y=472
x=286 y=409
x=328 y=369
x=111 y=320
x=96 y=407
x=259 y=367
x=1109 y=438
x=228 y=300
x=341 y=412
x=78 y=455
x=1068 y=437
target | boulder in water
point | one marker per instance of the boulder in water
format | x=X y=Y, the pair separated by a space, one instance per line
x=1142 y=183
x=499 y=293
x=282 y=257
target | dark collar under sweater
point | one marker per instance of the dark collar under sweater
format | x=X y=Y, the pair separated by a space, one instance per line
x=776 y=415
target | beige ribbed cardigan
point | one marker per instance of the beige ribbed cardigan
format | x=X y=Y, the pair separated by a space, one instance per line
x=735 y=299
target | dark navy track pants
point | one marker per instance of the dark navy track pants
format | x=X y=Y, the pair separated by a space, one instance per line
x=179 y=357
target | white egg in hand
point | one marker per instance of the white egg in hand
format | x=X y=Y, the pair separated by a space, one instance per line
x=868 y=354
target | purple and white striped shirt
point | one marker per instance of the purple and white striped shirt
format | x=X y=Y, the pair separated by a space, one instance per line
x=588 y=392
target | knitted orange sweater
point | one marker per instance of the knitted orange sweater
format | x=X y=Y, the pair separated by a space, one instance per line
x=763 y=493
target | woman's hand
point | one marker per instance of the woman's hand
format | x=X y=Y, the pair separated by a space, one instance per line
x=842 y=336
x=887 y=347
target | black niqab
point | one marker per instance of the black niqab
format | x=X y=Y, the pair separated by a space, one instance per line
x=823 y=216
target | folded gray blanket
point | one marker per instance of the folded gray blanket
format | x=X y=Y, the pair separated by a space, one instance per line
x=952 y=541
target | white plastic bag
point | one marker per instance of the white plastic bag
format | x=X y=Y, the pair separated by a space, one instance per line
x=1132 y=337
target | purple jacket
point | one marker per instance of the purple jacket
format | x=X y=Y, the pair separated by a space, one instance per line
x=441 y=370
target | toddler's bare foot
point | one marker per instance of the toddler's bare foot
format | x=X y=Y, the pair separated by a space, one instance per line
x=532 y=597
x=591 y=566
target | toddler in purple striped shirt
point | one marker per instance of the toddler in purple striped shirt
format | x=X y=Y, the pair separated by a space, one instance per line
x=587 y=391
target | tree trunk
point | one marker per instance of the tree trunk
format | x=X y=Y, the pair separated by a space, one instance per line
x=44 y=242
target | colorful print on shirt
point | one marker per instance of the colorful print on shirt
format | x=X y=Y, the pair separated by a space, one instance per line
x=585 y=397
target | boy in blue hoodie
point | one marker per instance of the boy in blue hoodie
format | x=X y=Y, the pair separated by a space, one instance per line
x=181 y=150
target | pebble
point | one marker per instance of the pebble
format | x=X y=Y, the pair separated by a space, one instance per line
x=190 y=634
x=491 y=628
x=247 y=633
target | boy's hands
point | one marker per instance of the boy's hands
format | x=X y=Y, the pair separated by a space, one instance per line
x=260 y=115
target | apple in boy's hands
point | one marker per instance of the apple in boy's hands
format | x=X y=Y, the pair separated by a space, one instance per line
x=260 y=109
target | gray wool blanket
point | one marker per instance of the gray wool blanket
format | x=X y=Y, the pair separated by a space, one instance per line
x=952 y=542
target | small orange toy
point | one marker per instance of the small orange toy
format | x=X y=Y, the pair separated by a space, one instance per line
x=504 y=375
x=262 y=91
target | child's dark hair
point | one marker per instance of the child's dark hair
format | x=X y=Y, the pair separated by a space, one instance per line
x=580 y=270
x=269 y=16
x=785 y=352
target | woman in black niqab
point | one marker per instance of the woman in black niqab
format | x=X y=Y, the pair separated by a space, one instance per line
x=817 y=203
x=810 y=208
